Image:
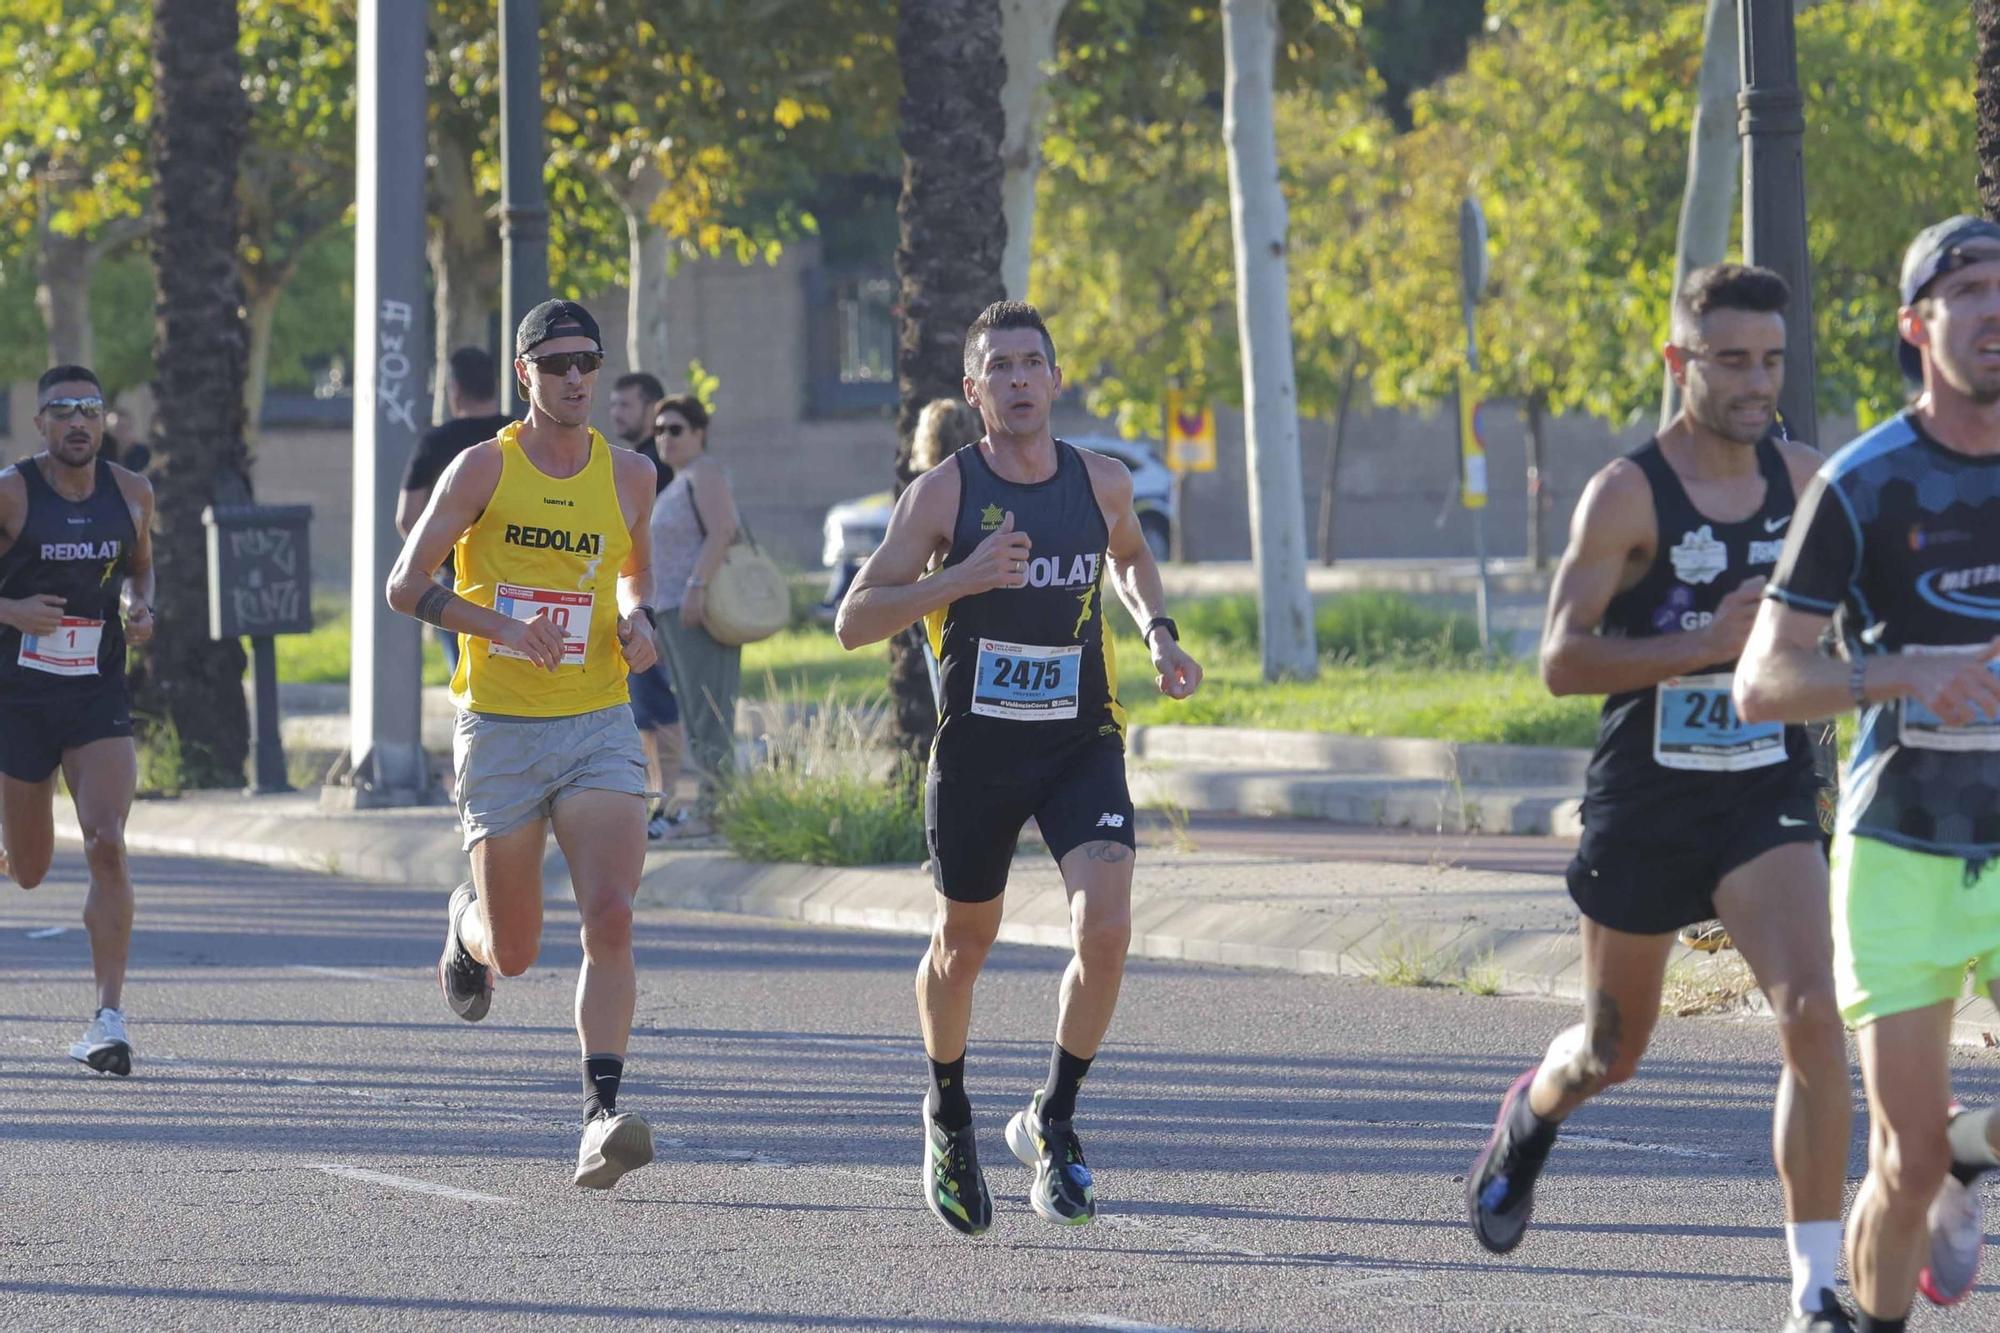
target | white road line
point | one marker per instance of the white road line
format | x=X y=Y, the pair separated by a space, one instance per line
x=407 y=1183
x=48 y=932
x=1581 y=1140
x=1363 y=1283
x=1125 y=1325
x=348 y=972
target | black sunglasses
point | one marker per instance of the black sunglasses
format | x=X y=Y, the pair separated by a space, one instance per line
x=560 y=363
x=674 y=431
x=62 y=409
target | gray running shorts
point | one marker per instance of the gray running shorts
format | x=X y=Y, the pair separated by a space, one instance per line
x=514 y=769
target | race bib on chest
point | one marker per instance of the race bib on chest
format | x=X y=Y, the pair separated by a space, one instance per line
x=71 y=650
x=570 y=612
x=1923 y=729
x=1023 y=683
x=1695 y=728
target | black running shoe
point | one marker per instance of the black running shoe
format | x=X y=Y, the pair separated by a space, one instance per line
x=954 y=1186
x=1062 y=1192
x=1831 y=1317
x=467 y=983
x=1500 y=1188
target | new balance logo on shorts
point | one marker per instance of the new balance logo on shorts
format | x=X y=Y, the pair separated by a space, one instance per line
x=1111 y=821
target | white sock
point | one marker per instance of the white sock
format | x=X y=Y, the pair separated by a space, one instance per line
x=1815 y=1251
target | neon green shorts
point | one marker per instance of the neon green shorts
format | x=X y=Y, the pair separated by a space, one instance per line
x=1907 y=927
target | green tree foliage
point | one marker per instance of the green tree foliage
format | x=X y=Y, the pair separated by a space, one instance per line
x=1414 y=43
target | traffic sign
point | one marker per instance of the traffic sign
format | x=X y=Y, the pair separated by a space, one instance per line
x=1190 y=433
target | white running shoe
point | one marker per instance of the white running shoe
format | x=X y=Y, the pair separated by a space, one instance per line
x=611 y=1146
x=1958 y=1232
x=105 y=1047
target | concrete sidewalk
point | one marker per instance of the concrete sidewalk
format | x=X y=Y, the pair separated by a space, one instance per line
x=1409 y=923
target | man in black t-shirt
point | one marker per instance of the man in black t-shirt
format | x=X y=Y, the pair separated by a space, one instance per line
x=472 y=395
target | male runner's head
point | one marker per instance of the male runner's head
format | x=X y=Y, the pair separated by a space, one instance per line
x=1950 y=320
x=1011 y=374
x=472 y=387
x=632 y=397
x=1728 y=349
x=557 y=353
x=69 y=412
x=680 y=429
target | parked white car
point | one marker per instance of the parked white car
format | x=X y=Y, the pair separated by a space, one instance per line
x=854 y=528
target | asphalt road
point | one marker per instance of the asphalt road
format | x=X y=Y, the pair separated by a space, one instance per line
x=311 y=1140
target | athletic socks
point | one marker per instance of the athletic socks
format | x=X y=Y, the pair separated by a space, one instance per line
x=1971 y=1143
x=1066 y=1073
x=1868 y=1323
x=1815 y=1250
x=946 y=1102
x=600 y=1085
x=1530 y=1131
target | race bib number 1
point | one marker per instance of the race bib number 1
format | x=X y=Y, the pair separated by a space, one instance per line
x=569 y=610
x=1695 y=727
x=1023 y=683
x=71 y=650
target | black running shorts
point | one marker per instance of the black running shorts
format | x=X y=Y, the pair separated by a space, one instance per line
x=972 y=824
x=1647 y=869
x=34 y=736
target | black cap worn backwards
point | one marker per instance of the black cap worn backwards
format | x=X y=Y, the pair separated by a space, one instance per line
x=555 y=319
x=1938 y=250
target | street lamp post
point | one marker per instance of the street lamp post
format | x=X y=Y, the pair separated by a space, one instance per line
x=1771 y=119
x=524 y=215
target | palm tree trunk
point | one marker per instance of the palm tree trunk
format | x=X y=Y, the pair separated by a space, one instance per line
x=1986 y=14
x=953 y=236
x=200 y=355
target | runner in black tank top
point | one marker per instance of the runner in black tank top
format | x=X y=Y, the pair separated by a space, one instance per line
x=1024 y=531
x=76 y=580
x=1688 y=812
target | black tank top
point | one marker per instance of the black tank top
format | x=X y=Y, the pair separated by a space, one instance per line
x=1681 y=739
x=76 y=550
x=1025 y=670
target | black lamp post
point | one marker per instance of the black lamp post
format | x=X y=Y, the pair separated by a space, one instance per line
x=1771 y=119
x=524 y=214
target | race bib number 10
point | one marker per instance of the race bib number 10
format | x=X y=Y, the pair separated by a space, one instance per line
x=71 y=650
x=1024 y=683
x=570 y=611
x=1695 y=727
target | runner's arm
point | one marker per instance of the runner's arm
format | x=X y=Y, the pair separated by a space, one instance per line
x=1136 y=577
x=892 y=592
x=1611 y=522
x=41 y=613
x=457 y=501
x=137 y=597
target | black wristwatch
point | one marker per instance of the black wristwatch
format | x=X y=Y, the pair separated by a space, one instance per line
x=1173 y=630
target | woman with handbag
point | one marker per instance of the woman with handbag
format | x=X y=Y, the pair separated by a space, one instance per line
x=694 y=524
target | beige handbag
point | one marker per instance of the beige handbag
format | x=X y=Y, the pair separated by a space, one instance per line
x=748 y=598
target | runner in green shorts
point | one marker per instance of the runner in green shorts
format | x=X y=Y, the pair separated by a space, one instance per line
x=1897 y=543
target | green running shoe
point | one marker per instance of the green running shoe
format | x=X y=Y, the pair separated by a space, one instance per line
x=954 y=1186
x=1062 y=1192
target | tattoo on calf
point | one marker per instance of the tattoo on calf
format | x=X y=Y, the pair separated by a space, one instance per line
x=432 y=602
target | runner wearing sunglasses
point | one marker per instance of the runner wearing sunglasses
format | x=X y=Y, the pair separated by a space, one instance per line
x=548 y=524
x=76 y=585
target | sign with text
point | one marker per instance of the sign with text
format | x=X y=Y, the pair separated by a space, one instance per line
x=1190 y=433
x=1471 y=449
x=259 y=570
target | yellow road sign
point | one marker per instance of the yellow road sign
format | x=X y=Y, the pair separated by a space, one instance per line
x=1190 y=433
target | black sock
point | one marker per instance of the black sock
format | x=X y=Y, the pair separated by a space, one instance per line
x=946 y=1101
x=1532 y=1132
x=600 y=1084
x=1066 y=1073
x=1870 y=1324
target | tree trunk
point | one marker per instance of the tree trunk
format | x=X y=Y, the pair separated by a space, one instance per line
x=261 y=305
x=62 y=278
x=1329 y=484
x=464 y=251
x=200 y=352
x=649 y=254
x=1536 y=410
x=1986 y=97
x=1708 y=202
x=953 y=235
x=1028 y=38
x=1263 y=318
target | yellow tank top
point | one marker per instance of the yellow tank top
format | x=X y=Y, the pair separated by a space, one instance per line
x=551 y=544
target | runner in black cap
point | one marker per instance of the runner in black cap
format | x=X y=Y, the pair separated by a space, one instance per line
x=1897 y=543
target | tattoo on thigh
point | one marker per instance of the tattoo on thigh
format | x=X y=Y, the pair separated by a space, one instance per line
x=431 y=604
x=1109 y=852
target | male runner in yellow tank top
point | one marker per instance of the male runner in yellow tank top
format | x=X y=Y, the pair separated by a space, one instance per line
x=548 y=524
